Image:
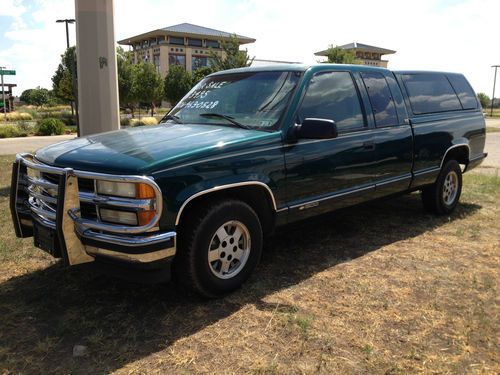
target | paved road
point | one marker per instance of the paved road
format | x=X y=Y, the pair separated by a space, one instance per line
x=9 y=146
x=492 y=162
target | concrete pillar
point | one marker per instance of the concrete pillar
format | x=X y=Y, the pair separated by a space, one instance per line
x=96 y=66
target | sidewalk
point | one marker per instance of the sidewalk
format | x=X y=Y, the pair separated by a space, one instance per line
x=493 y=122
x=9 y=146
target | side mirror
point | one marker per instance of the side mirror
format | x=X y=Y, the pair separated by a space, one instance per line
x=316 y=128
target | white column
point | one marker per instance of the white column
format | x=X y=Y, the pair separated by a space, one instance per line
x=96 y=66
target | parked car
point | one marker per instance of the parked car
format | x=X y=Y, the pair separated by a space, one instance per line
x=244 y=151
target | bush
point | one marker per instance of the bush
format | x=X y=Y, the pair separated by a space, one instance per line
x=10 y=131
x=50 y=126
x=125 y=121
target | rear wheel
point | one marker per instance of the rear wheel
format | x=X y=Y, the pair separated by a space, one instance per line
x=219 y=247
x=442 y=197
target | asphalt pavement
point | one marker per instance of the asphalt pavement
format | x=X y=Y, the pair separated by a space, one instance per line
x=9 y=146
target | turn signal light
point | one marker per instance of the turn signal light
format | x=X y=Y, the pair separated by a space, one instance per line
x=144 y=191
x=145 y=217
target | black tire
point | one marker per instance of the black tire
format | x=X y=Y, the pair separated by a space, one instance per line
x=433 y=196
x=197 y=234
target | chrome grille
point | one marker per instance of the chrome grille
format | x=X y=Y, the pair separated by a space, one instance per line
x=42 y=190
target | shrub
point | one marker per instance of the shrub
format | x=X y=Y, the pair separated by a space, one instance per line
x=125 y=121
x=68 y=119
x=10 y=131
x=50 y=126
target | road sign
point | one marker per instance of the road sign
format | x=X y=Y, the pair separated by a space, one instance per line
x=7 y=72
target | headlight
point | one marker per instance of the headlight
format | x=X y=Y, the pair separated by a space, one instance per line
x=119 y=217
x=125 y=189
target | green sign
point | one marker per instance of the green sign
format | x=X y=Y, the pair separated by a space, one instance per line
x=7 y=72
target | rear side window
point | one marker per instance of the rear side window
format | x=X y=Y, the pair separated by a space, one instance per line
x=430 y=93
x=464 y=91
x=381 y=99
x=333 y=96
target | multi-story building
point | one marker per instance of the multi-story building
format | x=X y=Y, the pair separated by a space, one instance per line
x=365 y=54
x=184 y=44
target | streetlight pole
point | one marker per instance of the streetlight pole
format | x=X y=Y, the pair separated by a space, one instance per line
x=494 y=83
x=3 y=94
x=67 y=21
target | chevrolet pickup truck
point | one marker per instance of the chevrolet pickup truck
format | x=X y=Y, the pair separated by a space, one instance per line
x=244 y=151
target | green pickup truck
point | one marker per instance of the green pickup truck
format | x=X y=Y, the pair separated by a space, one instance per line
x=244 y=151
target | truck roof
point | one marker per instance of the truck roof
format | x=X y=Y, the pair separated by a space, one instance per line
x=304 y=67
x=299 y=68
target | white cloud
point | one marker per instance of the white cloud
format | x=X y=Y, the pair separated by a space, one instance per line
x=449 y=35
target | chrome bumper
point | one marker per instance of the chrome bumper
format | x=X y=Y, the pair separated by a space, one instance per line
x=36 y=201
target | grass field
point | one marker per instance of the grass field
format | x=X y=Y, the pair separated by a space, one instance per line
x=379 y=289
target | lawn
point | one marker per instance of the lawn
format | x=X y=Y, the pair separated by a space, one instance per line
x=380 y=289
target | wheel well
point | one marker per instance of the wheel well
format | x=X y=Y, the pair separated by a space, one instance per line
x=459 y=153
x=255 y=196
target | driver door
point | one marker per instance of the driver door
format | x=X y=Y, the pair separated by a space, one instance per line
x=323 y=174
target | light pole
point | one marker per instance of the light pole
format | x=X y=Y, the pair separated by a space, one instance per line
x=3 y=94
x=494 y=82
x=68 y=21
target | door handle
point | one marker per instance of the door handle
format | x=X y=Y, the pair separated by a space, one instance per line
x=369 y=146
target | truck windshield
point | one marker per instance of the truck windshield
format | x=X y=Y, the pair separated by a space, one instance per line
x=253 y=100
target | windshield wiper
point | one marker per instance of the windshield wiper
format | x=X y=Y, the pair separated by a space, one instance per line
x=174 y=118
x=225 y=117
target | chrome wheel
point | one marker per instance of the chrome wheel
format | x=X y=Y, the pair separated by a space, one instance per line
x=450 y=188
x=229 y=249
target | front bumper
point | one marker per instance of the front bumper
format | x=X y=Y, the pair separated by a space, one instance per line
x=50 y=211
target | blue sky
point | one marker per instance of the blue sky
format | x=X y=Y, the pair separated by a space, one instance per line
x=451 y=35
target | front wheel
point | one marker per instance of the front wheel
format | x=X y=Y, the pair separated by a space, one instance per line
x=442 y=197
x=220 y=245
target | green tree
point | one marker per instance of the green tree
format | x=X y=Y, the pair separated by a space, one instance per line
x=62 y=83
x=147 y=84
x=337 y=55
x=177 y=83
x=483 y=99
x=26 y=96
x=125 y=78
x=231 y=56
x=39 y=96
x=201 y=73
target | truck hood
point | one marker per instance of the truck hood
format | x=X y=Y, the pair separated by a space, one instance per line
x=144 y=150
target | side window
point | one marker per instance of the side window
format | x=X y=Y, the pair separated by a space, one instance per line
x=333 y=96
x=381 y=99
x=430 y=93
x=464 y=91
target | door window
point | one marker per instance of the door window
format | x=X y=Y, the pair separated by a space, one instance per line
x=384 y=109
x=333 y=96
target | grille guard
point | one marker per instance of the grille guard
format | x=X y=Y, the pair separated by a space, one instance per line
x=73 y=230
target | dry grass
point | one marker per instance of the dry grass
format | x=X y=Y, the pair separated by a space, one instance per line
x=377 y=289
x=16 y=116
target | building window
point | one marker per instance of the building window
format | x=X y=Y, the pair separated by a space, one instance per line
x=156 y=62
x=177 y=60
x=161 y=40
x=199 y=62
x=176 y=40
x=194 y=42
x=213 y=44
